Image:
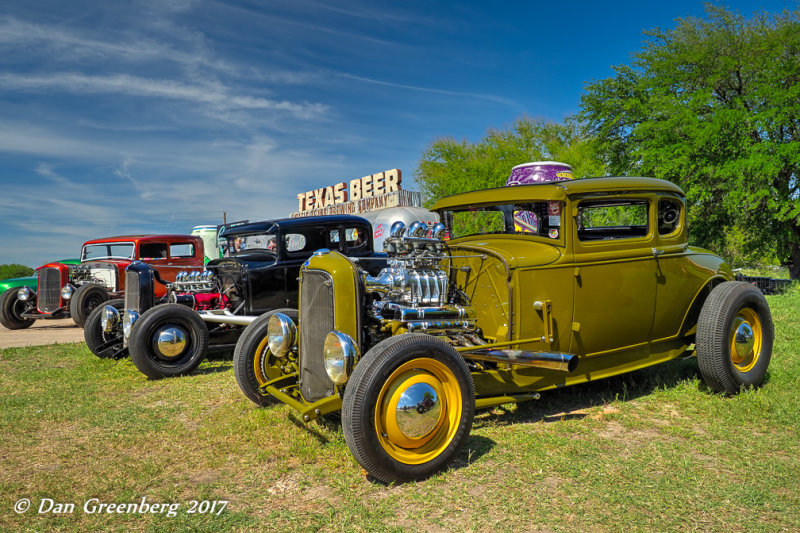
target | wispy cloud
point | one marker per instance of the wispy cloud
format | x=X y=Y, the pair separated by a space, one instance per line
x=448 y=92
x=124 y=84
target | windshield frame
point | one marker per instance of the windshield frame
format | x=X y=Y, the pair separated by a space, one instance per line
x=550 y=215
x=108 y=244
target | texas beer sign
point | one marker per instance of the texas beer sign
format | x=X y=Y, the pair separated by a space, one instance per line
x=376 y=191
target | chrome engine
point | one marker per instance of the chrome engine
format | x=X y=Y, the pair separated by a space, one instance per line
x=199 y=290
x=104 y=274
x=414 y=290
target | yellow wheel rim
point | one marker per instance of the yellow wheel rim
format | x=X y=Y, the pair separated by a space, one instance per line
x=418 y=433
x=262 y=370
x=746 y=338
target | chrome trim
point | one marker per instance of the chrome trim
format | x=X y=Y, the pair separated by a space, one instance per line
x=109 y=318
x=281 y=334
x=564 y=362
x=224 y=316
x=340 y=353
x=25 y=293
x=418 y=410
x=170 y=341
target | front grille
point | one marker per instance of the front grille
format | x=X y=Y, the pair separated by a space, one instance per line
x=316 y=321
x=132 y=291
x=49 y=292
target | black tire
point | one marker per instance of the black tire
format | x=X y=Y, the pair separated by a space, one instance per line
x=386 y=451
x=10 y=309
x=86 y=299
x=251 y=358
x=734 y=313
x=144 y=350
x=105 y=345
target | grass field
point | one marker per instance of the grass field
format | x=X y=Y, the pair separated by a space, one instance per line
x=650 y=451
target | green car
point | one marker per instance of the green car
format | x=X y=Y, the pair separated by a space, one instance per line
x=518 y=291
x=31 y=281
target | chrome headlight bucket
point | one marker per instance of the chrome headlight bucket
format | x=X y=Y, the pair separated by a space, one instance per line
x=281 y=333
x=67 y=291
x=109 y=318
x=341 y=352
x=25 y=294
x=128 y=319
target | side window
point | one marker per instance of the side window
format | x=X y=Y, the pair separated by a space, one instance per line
x=669 y=216
x=181 y=250
x=612 y=219
x=295 y=242
x=153 y=250
x=355 y=238
x=333 y=236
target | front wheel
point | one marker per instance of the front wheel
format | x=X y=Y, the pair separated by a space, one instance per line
x=734 y=337
x=86 y=299
x=11 y=307
x=168 y=340
x=102 y=343
x=253 y=363
x=408 y=408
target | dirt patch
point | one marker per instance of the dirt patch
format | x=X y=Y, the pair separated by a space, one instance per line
x=42 y=332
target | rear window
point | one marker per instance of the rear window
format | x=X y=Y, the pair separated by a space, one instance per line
x=179 y=250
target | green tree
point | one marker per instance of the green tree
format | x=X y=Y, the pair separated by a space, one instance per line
x=14 y=271
x=713 y=104
x=448 y=166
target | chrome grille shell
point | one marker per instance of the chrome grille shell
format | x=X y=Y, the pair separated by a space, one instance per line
x=316 y=321
x=132 y=291
x=49 y=291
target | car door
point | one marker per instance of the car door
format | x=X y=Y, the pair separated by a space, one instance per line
x=614 y=274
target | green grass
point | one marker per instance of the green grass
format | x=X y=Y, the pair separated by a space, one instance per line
x=649 y=451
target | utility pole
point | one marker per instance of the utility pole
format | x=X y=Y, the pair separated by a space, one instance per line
x=224 y=218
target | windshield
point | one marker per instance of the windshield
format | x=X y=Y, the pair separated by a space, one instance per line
x=111 y=250
x=542 y=219
x=249 y=242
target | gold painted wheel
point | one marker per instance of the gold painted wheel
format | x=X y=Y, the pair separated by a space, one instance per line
x=734 y=337
x=746 y=338
x=408 y=407
x=406 y=434
x=253 y=362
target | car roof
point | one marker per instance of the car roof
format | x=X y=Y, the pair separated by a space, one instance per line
x=142 y=238
x=557 y=190
x=287 y=224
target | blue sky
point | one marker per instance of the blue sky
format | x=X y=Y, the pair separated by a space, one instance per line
x=156 y=116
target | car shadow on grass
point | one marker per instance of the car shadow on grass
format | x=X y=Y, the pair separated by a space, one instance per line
x=574 y=402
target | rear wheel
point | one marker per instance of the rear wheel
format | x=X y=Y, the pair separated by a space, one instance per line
x=168 y=340
x=408 y=408
x=86 y=299
x=11 y=308
x=734 y=337
x=253 y=363
x=105 y=344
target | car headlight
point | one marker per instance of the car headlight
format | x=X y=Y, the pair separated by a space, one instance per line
x=128 y=319
x=25 y=294
x=281 y=333
x=109 y=318
x=66 y=292
x=340 y=351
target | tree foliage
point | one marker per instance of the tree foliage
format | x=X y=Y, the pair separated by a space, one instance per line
x=14 y=271
x=448 y=166
x=713 y=104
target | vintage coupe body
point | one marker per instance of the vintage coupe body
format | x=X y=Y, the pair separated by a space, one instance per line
x=171 y=336
x=66 y=290
x=536 y=287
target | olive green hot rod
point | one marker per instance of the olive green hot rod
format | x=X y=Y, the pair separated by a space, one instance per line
x=519 y=290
